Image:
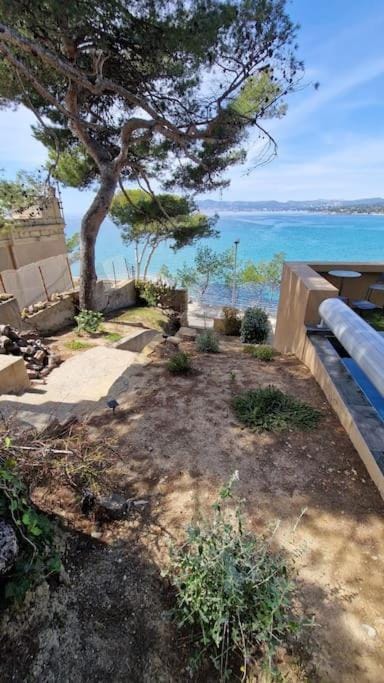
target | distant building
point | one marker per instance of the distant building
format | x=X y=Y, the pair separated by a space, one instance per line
x=36 y=233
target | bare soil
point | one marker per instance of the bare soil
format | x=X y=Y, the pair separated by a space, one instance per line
x=173 y=442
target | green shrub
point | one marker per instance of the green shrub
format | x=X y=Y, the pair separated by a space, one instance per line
x=207 y=342
x=269 y=409
x=38 y=556
x=154 y=293
x=232 y=322
x=233 y=592
x=88 y=321
x=179 y=363
x=261 y=352
x=254 y=326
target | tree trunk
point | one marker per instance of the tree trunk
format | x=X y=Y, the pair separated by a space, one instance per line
x=153 y=249
x=90 y=226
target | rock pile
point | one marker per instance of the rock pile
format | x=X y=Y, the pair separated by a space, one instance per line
x=38 y=358
x=41 y=305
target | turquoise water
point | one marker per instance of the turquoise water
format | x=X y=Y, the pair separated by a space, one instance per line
x=312 y=237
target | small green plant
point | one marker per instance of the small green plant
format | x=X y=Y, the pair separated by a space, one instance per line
x=207 y=342
x=254 y=326
x=113 y=337
x=233 y=592
x=179 y=363
x=269 y=409
x=261 y=352
x=77 y=345
x=232 y=375
x=232 y=322
x=38 y=557
x=88 y=321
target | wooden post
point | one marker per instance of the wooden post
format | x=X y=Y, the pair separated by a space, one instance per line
x=114 y=273
x=126 y=265
x=2 y=283
x=70 y=273
x=43 y=281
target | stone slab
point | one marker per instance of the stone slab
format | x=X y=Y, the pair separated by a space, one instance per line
x=13 y=375
x=187 y=333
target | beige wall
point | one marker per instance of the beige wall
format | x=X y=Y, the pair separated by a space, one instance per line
x=302 y=291
x=35 y=234
x=31 y=283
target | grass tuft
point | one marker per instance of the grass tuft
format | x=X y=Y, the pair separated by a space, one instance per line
x=207 y=342
x=77 y=345
x=179 y=364
x=269 y=409
x=261 y=352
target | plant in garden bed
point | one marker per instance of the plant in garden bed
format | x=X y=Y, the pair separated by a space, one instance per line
x=78 y=345
x=233 y=592
x=89 y=321
x=179 y=363
x=112 y=337
x=232 y=322
x=261 y=352
x=38 y=556
x=254 y=326
x=269 y=409
x=207 y=342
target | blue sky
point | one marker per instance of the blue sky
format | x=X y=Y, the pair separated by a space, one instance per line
x=331 y=143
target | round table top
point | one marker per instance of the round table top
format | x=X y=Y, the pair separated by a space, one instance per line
x=379 y=286
x=344 y=273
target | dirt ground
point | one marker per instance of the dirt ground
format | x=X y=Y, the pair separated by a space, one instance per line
x=174 y=442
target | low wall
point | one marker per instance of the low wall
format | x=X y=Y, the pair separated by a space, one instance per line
x=109 y=298
x=137 y=340
x=10 y=314
x=55 y=317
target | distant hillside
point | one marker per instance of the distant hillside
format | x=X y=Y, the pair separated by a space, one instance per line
x=369 y=205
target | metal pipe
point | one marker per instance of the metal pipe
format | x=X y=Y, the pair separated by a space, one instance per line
x=363 y=343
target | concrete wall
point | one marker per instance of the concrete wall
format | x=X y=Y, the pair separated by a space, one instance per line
x=304 y=286
x=137 y=340
x=110 y=297
x=55 y=317
x=301 y=292
x=10 y=314
x=31 y=283
x=35 y=234
x=13 y=375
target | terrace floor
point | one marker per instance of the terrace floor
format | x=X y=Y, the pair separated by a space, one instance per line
x=175 y=441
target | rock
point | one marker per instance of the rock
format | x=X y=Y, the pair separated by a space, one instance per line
x=173 y=340
x=187 y=333
x=111 y=507
x=9 y=546
x=369 y=630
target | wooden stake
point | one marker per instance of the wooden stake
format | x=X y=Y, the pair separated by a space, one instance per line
x=43 y=281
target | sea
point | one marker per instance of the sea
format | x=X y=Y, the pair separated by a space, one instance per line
x=300 y=236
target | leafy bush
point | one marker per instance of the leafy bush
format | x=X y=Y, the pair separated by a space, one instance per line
x=233 y=591
x=269 y=409
x=154 y=293
x=261 y=352
x=88 y=321
x=254 y=326
x=232 y=322
x=207 y=342
x=38 y=557
x=179 y=363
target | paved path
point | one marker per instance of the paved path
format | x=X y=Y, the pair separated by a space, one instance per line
x=80 y=385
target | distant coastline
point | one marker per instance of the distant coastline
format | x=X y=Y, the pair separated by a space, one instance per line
x=371 y=206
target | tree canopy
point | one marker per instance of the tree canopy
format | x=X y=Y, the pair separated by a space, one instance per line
x=147 y=220
x=144 y=89
x=208 y=266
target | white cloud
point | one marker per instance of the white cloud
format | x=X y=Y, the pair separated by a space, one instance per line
x=17 y=146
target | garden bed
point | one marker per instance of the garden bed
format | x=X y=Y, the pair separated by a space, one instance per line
x=174 y=442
